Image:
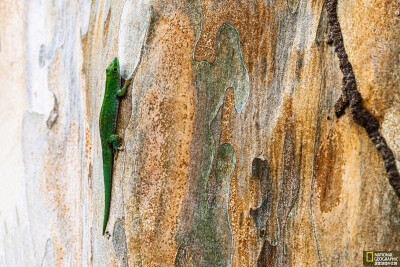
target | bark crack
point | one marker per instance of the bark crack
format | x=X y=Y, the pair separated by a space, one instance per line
x=351 y=97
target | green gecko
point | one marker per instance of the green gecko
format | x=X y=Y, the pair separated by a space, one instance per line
x=108 y=125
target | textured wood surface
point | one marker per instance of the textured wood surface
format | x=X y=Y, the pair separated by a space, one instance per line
x=233 y=154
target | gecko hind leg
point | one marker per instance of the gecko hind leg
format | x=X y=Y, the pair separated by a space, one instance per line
x=115 y=141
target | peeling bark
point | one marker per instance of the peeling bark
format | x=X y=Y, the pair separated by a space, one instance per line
x=352 y=97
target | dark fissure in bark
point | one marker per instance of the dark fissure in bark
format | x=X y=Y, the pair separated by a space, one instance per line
x=352 y=98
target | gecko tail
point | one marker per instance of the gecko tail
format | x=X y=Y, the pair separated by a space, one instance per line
x=107 y=169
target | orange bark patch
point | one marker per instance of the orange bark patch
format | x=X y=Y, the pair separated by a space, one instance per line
x=166 y=115
x=328 y=173
x=228 y=109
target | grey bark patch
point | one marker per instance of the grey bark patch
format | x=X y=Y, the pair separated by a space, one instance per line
x=322 y=29
x=134 y=28
x=274 y=253
x=271 y=255
x=119 y=242
x=289 y=189
x=293 y=5
x=34 y=146
x=85 y=16
x=299 y=65
x=282 y=44
x=267 y=254
x=260 y=171
x=260 y=215
x=258 y=167
x=56 y=21
x=42 y=52
x=49 y=258
x=53 y=114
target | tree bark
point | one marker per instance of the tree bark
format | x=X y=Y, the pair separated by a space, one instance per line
x=232 y=151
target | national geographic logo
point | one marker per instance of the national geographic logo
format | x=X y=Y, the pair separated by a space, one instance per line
x=381 y=258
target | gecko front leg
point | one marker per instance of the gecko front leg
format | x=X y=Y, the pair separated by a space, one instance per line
x=121 y=92
x=115 y=143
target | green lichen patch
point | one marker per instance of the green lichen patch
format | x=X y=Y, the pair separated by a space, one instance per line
x=211 y=243
x=209 y=240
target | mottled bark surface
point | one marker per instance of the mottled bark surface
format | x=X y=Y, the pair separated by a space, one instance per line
x=239 y=146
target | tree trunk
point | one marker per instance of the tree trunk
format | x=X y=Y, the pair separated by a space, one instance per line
x=232 y=152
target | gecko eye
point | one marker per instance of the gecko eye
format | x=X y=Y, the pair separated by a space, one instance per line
x=115 y=69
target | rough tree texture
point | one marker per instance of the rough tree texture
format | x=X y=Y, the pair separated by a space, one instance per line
x=233 y=154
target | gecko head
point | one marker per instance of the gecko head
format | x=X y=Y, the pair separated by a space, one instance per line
x=113 y=68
